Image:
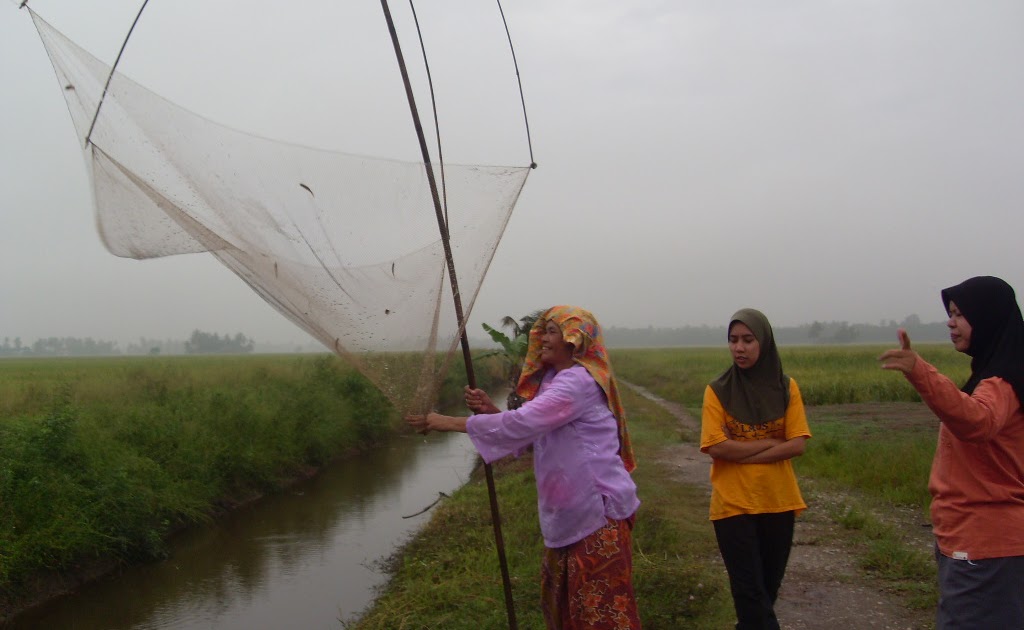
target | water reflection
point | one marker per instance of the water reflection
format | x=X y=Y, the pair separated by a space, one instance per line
x=304 y=558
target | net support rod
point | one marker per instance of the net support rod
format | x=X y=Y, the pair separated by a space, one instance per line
x=522 y=99
x=433 y=105
x=113 y=68
x=468 y=359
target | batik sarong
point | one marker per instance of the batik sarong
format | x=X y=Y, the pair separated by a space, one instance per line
x=589 y=584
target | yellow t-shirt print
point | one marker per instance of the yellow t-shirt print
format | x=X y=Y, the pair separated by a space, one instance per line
x=752 y=488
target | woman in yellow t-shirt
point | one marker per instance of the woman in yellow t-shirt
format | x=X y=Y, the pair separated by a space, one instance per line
x=753 y=423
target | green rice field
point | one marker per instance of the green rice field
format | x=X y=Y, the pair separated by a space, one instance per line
x=827 y=375
x=101 y=459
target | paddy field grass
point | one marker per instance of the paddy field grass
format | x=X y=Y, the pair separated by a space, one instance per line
x=102 y=458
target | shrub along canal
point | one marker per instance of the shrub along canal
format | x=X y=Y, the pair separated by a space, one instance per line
x=307 y=557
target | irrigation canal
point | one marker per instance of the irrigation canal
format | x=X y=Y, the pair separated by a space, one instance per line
x=308 y=557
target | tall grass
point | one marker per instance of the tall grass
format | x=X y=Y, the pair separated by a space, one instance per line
x=826 y=375
x=102 y=458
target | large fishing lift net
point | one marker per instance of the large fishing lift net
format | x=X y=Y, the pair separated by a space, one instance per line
x=346 y=246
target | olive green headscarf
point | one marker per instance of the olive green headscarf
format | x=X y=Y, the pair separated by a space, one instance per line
x=760 y=393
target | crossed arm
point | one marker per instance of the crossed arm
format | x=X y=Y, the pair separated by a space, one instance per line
x=763 y=451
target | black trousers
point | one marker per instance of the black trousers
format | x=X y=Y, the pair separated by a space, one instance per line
x=755 y=548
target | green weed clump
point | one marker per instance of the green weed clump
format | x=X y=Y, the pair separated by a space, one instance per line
x=887 y=553
x=674 y=544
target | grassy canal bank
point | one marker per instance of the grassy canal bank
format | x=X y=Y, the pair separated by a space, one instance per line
x=102 y=459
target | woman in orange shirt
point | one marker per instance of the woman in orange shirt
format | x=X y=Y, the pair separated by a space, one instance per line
x=753 y=423
x=977 y=477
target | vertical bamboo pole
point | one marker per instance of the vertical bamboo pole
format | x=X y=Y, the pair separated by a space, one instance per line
x=442 y=226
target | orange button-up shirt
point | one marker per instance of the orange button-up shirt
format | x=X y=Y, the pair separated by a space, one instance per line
x=977 y=478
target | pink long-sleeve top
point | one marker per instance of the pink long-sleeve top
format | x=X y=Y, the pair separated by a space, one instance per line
x=580 y=477
x=977 y=478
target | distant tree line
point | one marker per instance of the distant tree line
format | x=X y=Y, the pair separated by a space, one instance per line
x=154 y=347
x=199 y=343
x=57 y=347
x=814 y=333
x=207 y=343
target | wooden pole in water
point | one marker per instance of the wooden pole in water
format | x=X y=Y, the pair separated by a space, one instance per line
x=467 y=358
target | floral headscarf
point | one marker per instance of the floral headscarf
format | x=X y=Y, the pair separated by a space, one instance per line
x=580 y=328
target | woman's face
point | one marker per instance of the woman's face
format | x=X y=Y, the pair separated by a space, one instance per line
x=554 y=351
x=959 y=328
x=743 y=345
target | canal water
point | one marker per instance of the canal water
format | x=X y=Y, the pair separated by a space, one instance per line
x=309 y=557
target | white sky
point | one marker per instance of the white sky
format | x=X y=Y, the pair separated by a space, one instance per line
x=819 y=160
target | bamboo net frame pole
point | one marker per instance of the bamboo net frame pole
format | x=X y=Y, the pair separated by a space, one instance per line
x=470 y=375
x=113 y=68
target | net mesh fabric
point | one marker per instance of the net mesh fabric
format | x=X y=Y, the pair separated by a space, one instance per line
x=346 y=246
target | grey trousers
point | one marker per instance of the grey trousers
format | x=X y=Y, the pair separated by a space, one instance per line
x=980 y=594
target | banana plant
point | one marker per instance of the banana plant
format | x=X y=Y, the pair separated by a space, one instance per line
x=513 y=350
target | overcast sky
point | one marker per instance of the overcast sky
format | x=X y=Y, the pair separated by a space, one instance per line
x=818 y=160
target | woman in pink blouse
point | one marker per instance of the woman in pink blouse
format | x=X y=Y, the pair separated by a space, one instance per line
x=977 y=477
x=586 y=499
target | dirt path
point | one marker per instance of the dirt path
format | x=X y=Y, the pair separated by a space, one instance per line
x=823 y=588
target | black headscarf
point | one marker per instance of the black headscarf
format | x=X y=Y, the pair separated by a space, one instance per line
x=997 y=330
x=760 y=393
